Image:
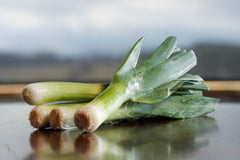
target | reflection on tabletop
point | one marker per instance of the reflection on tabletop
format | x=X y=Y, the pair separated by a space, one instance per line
x=162 y=138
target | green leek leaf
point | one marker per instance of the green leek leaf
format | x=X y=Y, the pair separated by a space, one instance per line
x=175 y=67
x=129 y=62
x=160 y=55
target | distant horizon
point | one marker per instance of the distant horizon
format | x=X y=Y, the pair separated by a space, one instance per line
x=102 y=54
x=215 y=62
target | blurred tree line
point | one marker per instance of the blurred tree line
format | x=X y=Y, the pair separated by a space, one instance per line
x=215 y=62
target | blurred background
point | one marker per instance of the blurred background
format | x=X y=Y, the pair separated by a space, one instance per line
x=87 y=40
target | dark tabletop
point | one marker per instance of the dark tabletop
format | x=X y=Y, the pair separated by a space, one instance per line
x=215 y=136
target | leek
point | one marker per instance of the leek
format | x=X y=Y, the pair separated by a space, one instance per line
x=52 y=92
x=39 y=116
x=47 y=92
x=173 y=107
x=131 y=82
x=156 y=87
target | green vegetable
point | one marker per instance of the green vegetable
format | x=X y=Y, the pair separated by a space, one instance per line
x=39 y=116
x=131 y=83
x=47 y=92
x=159 y=86
x=174 y=107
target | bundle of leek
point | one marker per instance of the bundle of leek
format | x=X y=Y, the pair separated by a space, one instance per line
x=157 y=87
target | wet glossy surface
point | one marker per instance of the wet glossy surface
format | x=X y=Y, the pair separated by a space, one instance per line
x=216 y=136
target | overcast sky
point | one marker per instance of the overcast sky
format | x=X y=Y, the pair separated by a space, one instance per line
x=76 y=27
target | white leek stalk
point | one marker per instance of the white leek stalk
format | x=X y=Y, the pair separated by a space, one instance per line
x=47 y=92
